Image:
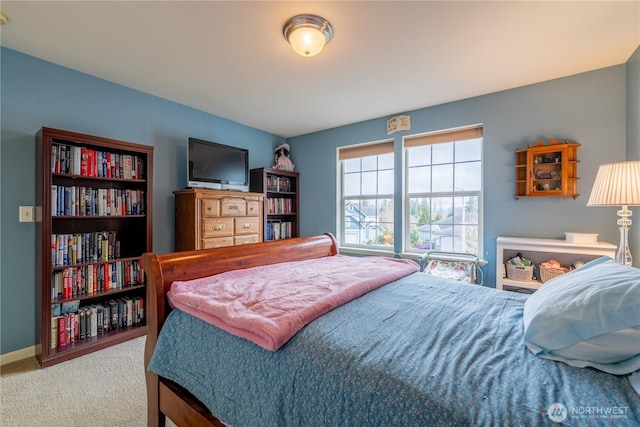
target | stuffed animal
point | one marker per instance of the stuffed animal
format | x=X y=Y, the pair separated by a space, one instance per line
x=283 y=162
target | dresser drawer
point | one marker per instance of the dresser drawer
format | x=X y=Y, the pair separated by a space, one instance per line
x=253 y=207
x=216 y=227
x=233 y=206
x=245 y=240
x=216 y=242
x=247 y=225
x=210 y=208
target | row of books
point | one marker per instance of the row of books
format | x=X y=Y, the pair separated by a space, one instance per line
x=279 y=230
x=74 y=160
x=279 y=183
x=280 y=205
x=87 y=201
x=73 y=323
x=79 y=248
x=74 y=282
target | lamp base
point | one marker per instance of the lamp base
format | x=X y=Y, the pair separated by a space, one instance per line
x=624 y=253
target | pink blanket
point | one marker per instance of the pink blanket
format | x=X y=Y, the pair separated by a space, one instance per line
x=269 y=304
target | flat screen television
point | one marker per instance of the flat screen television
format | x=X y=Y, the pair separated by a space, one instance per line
x=217 y=166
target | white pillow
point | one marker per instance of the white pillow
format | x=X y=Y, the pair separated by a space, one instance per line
x=588 y=317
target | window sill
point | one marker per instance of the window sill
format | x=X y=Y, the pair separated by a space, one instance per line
x=378 y=252
x=364 y=251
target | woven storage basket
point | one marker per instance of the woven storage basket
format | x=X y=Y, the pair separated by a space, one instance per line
x=547 y=273
x=519 y=272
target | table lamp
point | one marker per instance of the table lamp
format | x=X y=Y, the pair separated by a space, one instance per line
x=618 y=184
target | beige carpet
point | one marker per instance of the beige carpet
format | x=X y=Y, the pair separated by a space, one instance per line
x=105 y=388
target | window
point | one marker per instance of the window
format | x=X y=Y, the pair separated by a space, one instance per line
x=443 y=191
x=366 y=202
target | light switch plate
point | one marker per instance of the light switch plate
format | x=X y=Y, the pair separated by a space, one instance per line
x=26 y=214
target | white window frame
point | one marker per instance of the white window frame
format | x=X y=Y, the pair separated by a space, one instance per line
x=450 y=135
x=366 y=149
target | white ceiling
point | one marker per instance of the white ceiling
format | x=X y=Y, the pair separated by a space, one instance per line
x=230 y=58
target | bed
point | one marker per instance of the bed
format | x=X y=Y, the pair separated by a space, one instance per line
x=420 y=350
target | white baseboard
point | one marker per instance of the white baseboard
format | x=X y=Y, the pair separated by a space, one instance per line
x=17 y=355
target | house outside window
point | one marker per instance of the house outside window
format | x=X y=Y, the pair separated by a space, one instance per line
x=443 y=191
x=366 y=195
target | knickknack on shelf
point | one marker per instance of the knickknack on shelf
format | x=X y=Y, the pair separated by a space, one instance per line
x=547 y=170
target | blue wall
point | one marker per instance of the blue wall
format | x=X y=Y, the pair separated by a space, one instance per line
x=593 y=108
x=633 y=141
x=633 y=106
x=589 y=108
x=36 y=93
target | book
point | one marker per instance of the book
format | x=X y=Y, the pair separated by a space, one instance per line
x=113 y=309
x=54 y=200
x=141 y=318
x=122 y=313
x=76 y=326
x=90 y=279
x=54 y=332
x=71 y=328
x=104 y=249
x=99 y=318
x=84 y=161
x=129 y=303
x=80 y=318
x=62 y=331
x=93 y=329
x=55 y=310
x=106 y=317
x=76 y=160
x=117 y=166
x=69 y=307
x=107 y=164
x=63 y=161
x=91 y=169
x=55 y=164
x=112 y=158
x=128 y=161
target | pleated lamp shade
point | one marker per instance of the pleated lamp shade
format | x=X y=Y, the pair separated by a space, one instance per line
x=617 y=184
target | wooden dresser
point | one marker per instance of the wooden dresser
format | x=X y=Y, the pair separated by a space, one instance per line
x=207 y=219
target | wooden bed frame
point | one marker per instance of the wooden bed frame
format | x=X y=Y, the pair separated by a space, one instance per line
x=164 y=397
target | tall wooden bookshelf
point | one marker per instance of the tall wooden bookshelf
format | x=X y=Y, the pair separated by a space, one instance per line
x=96 y=199
x=280 y=189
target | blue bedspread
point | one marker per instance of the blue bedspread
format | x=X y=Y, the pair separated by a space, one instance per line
x=421 y=351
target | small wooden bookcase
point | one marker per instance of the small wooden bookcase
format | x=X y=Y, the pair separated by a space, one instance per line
x=280 y=190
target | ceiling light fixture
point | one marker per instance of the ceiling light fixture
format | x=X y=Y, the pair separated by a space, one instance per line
x=307 y=34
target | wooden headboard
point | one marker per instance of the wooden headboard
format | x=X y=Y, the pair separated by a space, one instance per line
x=162 y=270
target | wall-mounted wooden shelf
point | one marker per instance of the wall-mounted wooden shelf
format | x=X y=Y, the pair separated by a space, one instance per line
x=547 y=170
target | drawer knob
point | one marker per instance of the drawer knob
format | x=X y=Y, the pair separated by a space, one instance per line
x=218 y=227
x=247 y=225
